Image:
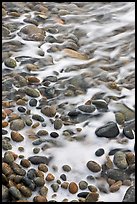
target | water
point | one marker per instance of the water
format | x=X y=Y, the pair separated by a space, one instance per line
x=106 y=36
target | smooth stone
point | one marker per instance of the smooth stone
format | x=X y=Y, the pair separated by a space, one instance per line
x=73 y=188
x=9 y=62
x=21 y=109
x=87 y=108
x=109 y=130
x=55 y=187
x=17 y=124
x=42 y=133
x=101 y=105
x=120 y=160
x=129 y=195
x=33 y=102
x=15 y=192
x=83 y=194
x=32 y=92
x=5 y=192
x=58 y=124
x=83 y=185
x=32 y=173
x=54 y=134
x=39 y=160
x=49 y=111
x=93 y=166
x=39 y=181
x=29 y=183
x=66 y=168
x=117 y=174
x=18 y=169
x=99 y=152
x=128 y=132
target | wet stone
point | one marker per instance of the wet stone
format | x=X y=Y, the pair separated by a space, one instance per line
x=4 y=132
x=21 y=109
x=73 y=188
x=8 y=157
x=63 y=177
x=31 y=174
x=43 y=191
x=92 y=197
x=66 y=168
x=39 y=181
x=10 y=63
x=33 y=102
x=25 y=163
x=87 y=108
x=83 y=185
x=32 y=92
x=25 y=191
x=5 y=192
x=58 y=124
x=54 y=134
x=99 y=152
x=129 y=195
x=6 y=145
x=16 y=136
x=110 y=130
x=36 y=150
x=18 y=169
x=49 y=111
x=117 y=174
x=120 y=160
x=43 y=167
x=128 y=132
x=93 y=166
x=39 y=199
x=39 y=160
x=17 y=124
x=42 y=133
x=29 y=183
x=50 y=177
x=38 y=118
x=15 y=192
x=55 y=187
x=101 y=105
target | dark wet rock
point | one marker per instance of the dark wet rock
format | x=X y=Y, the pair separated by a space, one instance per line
x=6 y=145
x=63 y=177
x=83 y=185
x=129 y=195
x=32 y=173
x=39 y=160
x=29 y=183
x=8 y=157
x=15 y=192
x=17 y=124
x=39 y=141
x=58 y=124
x=39 y=181
x=66 y=168
x=26 y=192
x=73 y=113
x=42 y=133
x=120 y=160
x=92 y=197
x=87 y=108
x=83 y=194
x=25 y=163
x=120 y=118
x=43 y=191
x=128 y=132
x=33 y=102
x=18 y=169
x=117 y=174
x=21 y=109
x=32 y=33
x=101 y=105
x=36 y=150
x=109 y=130
x=113 y=151
x=54 y=134
x=99 y=152
x=4 y=132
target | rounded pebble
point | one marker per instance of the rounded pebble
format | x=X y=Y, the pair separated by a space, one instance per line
x=73 y=188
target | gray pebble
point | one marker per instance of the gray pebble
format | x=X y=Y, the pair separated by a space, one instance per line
x=15 y=192
x=39 y=181
x=117 y=174
x=129 y=195
x=120 y=160
x=55 y=187
x=87 y=108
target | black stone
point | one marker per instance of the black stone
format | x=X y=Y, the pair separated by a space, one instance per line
x=83 y=194
x=128 y=132
x=21 y=109
x=99 y=152
x=63 y=177
x=109 y=130
x=39 y=160
x=54 y=134
x=33 y=102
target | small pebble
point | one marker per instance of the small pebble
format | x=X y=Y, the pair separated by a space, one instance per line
x=73 y=188
x=99 y=152
x=39 y=198
x=93 y=166
x=43 y=167
x=83 y=185
x=66 y=168
x=39 y=181
x=54 y=134
x=50 y=177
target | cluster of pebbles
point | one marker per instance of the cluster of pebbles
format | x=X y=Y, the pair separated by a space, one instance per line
x=42 y=111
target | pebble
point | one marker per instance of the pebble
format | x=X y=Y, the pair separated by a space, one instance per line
x=29 y=183
x=39 y=159
x=58 y=124
x=17 y=124
x=42 y=133
x=65 y=184
x=63 y=177
x=50 y=177
x=25 y=191
x=120 y=160
x=5 y=193
x=38 y=118
x=115 y=187
x=16 y=136
x=54 y=134
x=130 y=157
x=55 y=187
x=6 y=145
x=73 y=188
x=43 y=191
x=117 y=174
x=32 y=92
x=35 y=125
x=66 y=168
x=87 y=108
x=120 y=118
x=93 y=166
x=31 y=174
x=49 y=111
x=83 y=185
x=25 y=163
x=36 y=150
x=8 y=157
x=43 y=167
x=21 y=109
x=92 y=197
x=15 y=192
x=83 y=194
x=4 y=132
x=9 y=62
x=18 y=169
x=39 y=181
x=110 y=130
x=33 y=102
x=92 y=188
x=39 y=198
x=129 y=195
x=6 y=169
x=128 y=132
x=101 y=105
x=99 y=152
